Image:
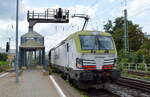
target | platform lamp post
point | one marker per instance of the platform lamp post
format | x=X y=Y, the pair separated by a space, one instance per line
x=16 y=62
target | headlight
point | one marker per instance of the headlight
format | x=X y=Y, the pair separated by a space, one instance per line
x=79 y=63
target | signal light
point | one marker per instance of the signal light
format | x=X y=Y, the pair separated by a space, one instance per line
x=7 y=46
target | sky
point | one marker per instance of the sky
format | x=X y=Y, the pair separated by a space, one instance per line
x=100 y=11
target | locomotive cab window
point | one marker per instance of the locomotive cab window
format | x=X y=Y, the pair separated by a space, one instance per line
x=96 y=42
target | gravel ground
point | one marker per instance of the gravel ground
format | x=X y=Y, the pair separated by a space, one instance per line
x=99 y=93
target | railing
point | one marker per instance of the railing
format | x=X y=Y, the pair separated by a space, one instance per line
x=49 y=14
x=135 y=66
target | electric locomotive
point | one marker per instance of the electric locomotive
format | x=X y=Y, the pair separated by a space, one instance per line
x=86 y=58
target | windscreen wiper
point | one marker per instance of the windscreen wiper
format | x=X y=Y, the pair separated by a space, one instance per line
x=95 y=44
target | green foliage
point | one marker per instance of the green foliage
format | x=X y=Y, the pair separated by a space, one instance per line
x=3 y=63
x=129 y=57
x=4 y=66
x=136 y=76
x=139 y=46
x=147 y=59
x=141 y=66
x=144 y=52
x=50 y=70
x=3 y=57
x=135 y=34
x=109 y=27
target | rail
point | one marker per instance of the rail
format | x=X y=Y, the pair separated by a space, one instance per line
x=135 y=83
x=49 y=14
x=139 y=73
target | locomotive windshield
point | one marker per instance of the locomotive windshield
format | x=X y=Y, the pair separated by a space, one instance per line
x=96 y=42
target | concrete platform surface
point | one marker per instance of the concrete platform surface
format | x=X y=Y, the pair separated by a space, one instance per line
x=67 y=89
x=32 y=84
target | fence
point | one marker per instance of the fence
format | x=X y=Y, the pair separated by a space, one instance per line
x=135 y=66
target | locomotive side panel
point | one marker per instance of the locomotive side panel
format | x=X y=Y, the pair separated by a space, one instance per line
x=72 y=54
x=64 y=56
x=61 y=55
x=58 y=56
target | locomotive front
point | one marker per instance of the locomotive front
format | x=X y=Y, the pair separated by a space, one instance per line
x=97 y=59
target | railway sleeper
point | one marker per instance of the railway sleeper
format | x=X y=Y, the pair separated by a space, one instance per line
x=125 y=91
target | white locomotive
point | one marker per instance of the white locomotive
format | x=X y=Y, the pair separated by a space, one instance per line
x=86 y=57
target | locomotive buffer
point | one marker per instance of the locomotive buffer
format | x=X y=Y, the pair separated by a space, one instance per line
x=49 y=16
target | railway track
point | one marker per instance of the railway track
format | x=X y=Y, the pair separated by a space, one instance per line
x=129 y=87
x=139 y=73
x=99 y=93
x=125 y=87
x=135 y=83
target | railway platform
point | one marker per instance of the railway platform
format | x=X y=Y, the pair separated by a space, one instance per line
x=32 y=84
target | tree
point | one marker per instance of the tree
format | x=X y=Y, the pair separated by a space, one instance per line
x=108 y=27
x=144 y=52
x=135 y=34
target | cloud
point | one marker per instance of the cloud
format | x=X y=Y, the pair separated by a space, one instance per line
x=53 y=33
x=8 y=10
x=135 y=6
x=112 y=0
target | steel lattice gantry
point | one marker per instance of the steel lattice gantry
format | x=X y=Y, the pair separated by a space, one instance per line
x=49 y=16
x=32 y=50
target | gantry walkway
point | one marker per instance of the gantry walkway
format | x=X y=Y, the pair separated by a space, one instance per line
x=32 y=84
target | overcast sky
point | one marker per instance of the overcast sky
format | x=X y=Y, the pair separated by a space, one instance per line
x=99 y=11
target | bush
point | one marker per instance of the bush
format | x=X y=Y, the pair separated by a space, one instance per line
x=128 y=57
x=141 y=66
x=4 y=66
x=3 y=57
x=147 y=59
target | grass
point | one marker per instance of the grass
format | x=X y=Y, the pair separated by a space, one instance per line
x=82 y=93
x=125 y=73
x=3 y=63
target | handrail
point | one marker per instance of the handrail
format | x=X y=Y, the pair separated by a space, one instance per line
x=48 y=14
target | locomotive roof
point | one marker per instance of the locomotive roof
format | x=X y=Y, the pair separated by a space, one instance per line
x=88 y=33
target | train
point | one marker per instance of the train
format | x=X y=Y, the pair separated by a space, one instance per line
x=86 y=58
